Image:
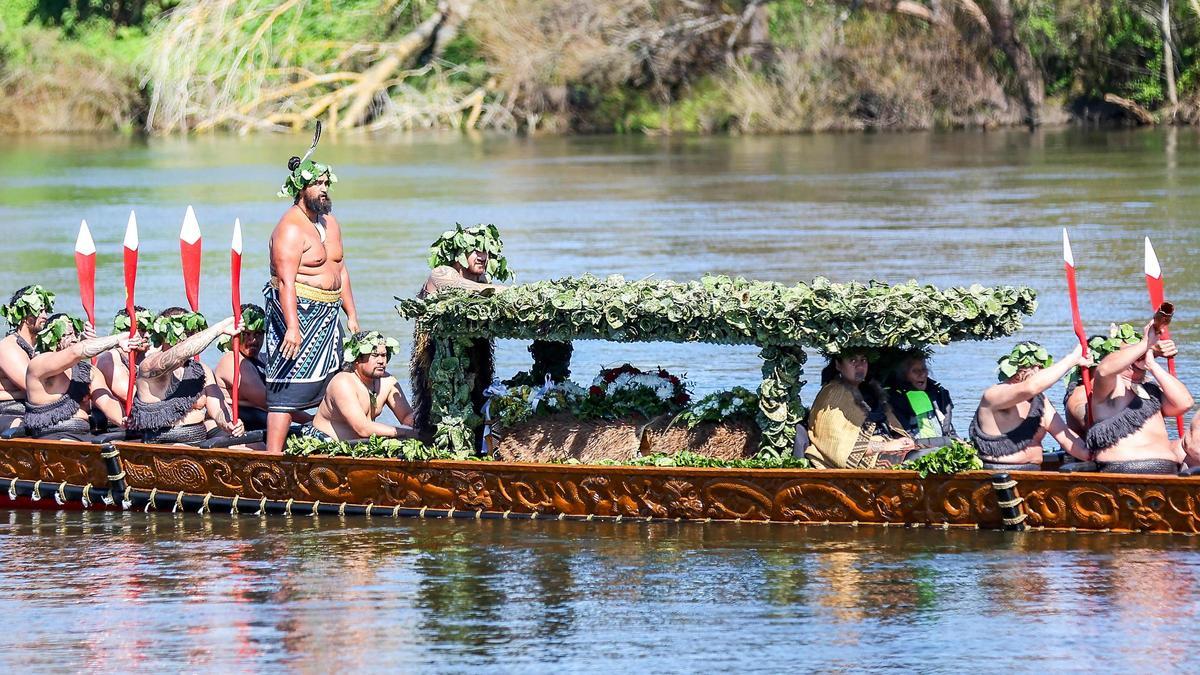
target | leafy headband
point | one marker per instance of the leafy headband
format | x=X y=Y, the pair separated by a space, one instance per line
x=145 y=319
x=1100 y=346
x=49 y=338
x=254 y=320
x=170 y=330
x=304 y=175
x=365 y=344
x=33 y=301
x=1024 y=355
x=455 y=245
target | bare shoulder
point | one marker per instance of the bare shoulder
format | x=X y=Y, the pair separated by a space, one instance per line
x=290 y=225
x=9 y=345
x=339 y=385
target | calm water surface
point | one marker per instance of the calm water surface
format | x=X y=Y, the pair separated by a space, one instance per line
x=149 y=591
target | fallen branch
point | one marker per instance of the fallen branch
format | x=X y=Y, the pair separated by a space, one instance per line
x=1137 y=112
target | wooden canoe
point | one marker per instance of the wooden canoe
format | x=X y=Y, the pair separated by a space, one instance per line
x=60 y=474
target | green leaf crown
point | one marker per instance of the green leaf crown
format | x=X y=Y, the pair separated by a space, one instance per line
x=33 y=300
x=169 y=331
x=48 y=338
x=306 y=174
x=1025 y=355
x=455 y=245
x=254 y=320
x=1100 y=346
x=365 y=343
x=145 y=319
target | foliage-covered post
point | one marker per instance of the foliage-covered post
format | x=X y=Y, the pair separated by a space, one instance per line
x=451 y=379
x=779 y=407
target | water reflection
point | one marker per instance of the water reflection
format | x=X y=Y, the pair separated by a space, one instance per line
x=156 y=590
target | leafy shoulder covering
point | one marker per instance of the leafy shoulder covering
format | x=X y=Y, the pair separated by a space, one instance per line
x=823 y=315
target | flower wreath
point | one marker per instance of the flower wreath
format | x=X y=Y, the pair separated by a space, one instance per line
x=365 y=343
x=303 y=176
x=170 y=330
x=145 y=319
x=33 y=301
x=1025 y=355
x=455 y=245
x=48 y=338
x=254 y=320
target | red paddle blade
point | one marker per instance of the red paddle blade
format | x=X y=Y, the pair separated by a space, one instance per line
x=85 y=269
x=190 y=245
x=235 y=271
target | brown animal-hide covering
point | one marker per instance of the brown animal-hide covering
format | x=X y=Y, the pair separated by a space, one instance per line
x=482 y=367
x=561 y=437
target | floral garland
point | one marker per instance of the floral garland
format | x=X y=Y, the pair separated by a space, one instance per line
x=33 y=301
x=171 y=330
x=409 y=449
x=365 y=344
x=455 y=245
x=145 y=320
x=738 y=403
x=1025 y=355
x=49 y=338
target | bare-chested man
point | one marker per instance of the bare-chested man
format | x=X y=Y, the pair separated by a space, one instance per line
x=26 y=314
x=114 y=363
x=1015 y=415
x=176 y=399
x=63 y=386
x=357 y=396
x=309 y=285
x=469 y=259
x=1128 y=433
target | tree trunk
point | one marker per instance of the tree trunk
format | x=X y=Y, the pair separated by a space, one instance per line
x=1169 y=55
x=1029 y=78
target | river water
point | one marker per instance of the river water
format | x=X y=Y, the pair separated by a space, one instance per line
x=142 y=591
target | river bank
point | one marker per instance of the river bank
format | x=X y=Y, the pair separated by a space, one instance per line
x=564 y=66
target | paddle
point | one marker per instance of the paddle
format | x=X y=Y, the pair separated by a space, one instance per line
x=1077 y=320
x=131 y=260
x=190 y=245
x=1154 y=284
x=235 y=281
x=85 y=269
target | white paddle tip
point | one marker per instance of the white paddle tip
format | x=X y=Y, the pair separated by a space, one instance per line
x=1068 y=257
x=189 y=232
x=131 y=233
x=1152 y=267
x=84 y=244
x=237 y=236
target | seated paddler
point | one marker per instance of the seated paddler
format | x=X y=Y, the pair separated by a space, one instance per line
x=851 y=424
x=114 y=363
x=463 y=258
x=1015 y=415
x=252 y=387
x=922 y=405
x=176 y=397
x=358 y=395
x=1128 y=432
x=63 y=386
x=26 y=314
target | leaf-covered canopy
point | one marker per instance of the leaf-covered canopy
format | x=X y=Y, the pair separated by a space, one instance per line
x=823 y=315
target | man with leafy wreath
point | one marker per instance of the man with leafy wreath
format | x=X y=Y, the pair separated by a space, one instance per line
x=468 y=259
x=309 y=286
x=62 y=386
x=26 y=314
x=1015 y=415
x=252 y=388
x=357 y=396
x=114 y=364
x=177 y=399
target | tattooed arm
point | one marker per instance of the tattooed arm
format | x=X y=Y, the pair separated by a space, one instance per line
x=158 y=364
x=57 y=362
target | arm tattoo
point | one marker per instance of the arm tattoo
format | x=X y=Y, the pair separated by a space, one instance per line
x=164 y=362
x=97 y=346
x=447 y=277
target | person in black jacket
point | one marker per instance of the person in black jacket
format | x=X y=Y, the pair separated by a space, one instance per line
x=921 y=404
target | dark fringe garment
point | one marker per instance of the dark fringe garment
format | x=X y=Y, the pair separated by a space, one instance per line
x=73 y=429
x=1014 y=441
x=1154 y=466
x=184 y=433
x=482 y=366
x=26 y=347
x=999 y=466
x=1107 y=433
x=12 y=408
x=178 y=402
x=41 y=419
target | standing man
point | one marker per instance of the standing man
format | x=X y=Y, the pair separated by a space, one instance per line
x=309 y=285
x=26 y=314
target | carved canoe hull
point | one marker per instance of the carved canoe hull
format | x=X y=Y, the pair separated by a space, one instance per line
x=175 y=477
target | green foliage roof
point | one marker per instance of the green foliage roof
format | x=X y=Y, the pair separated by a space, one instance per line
x=723 y=310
